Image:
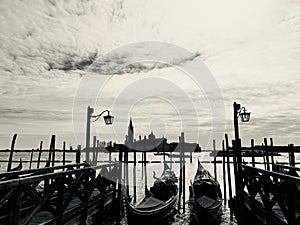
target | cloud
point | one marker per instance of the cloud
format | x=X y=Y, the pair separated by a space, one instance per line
x=252 y=48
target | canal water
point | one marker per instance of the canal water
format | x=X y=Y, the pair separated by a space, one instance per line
x=158 y=168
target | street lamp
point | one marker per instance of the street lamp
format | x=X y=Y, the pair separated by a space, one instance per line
x=243 y=114
x=245 y=117
x=108 y=119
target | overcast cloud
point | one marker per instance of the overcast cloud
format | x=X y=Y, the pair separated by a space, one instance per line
x=251 y=47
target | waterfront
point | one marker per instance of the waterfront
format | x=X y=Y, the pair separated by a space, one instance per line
x=190 y=171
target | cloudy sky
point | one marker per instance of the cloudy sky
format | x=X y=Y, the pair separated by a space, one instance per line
x=251 y=48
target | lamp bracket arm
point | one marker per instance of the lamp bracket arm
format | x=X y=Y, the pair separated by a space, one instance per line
x=99 y=115
x=240 y=110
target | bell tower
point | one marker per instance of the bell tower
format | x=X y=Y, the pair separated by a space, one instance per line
x=130 y=135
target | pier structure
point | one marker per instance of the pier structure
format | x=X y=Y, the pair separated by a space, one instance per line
x=269 y=195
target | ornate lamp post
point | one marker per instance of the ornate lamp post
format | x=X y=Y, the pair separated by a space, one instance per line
x=245 y=117
x=243 y=114
x=108 y=119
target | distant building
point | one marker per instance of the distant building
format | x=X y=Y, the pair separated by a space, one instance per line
x=154 y=144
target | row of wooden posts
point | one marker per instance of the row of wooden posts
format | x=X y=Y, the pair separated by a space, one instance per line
x=51 y=159
x=268 y=159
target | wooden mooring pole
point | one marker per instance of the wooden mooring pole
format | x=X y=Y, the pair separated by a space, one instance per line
x=11 y=152
x=78 y=154
x=40 y=154
x=180 y=176
x=292 y=155
x=53 y=149
x=267 y=153
x=272 y=152
x=134 y=176
x=94 y=160
x=182 y=150
x=31 y=158
x=229 y=178
x=215 y=159
x=64 y=153
x=145 y=170
x=224 y=173
x=252 y=152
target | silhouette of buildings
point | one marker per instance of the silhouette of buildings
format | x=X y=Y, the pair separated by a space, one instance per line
x=154 y=144
x=149 y=144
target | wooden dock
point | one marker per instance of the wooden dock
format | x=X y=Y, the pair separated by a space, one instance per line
x=80 y=192
x=70 y=194
x=266 y=196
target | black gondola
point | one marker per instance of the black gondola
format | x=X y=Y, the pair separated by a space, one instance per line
x=205 y=198
x=159 y=203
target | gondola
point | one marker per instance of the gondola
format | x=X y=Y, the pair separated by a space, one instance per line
x=159 y=203
x=205 y=198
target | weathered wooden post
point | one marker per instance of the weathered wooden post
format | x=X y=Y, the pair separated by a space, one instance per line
x=40 y=154
x=253 y=152
x=180 y=173
x=229 y=177
x=224 y=172
x=64 y=153
x=215 y=159
x=272 y=152
x=145 y=170
x=134 y=175
x=126 y=175
x=89 y=113
x=51 y=151
x=12 y=148
x=78 y=153
x=142 y=153
x=94 y=151
x=182 y=150
x=267 y=153
x=31 y=157
x=292 y=155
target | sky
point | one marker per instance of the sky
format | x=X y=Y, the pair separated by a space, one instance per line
x=251 y=49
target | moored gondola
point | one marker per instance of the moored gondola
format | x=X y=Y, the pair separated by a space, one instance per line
x=205 y=198
x=159 y=203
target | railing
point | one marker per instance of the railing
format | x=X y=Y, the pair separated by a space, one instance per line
x=272 y=196
x=56 y=195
